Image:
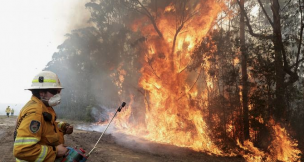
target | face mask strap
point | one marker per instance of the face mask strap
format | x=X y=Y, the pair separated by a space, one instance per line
x=46 y=103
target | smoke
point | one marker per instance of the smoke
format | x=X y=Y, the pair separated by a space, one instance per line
x=141 y=145
x=135 y=143
x=100 y=114
x=95 y=127
x=100 y=65
x=71 y=15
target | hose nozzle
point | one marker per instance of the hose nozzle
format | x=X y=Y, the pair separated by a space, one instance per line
x=120 y=107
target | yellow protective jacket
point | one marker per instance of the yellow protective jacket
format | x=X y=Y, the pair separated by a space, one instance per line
x=8 y=110
x=37 y=137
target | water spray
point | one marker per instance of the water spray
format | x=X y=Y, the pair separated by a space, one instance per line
x=78 y=155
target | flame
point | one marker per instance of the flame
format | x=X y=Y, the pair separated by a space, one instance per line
x=236 y=61
x=169 y=117
x=126 y=113
x=120 y=73
x=282 y=147
x=170 y=8
x=172 y=113
x=254 y=154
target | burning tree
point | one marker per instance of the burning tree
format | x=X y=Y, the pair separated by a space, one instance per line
x=174 y=102
x=178 y=64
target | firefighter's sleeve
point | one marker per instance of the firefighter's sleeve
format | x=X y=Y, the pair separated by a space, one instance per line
x=26 y=146
x=61 y=128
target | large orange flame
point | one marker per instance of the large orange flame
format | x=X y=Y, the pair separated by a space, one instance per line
x=169 y=117
x=282 y=148
x=172 y=114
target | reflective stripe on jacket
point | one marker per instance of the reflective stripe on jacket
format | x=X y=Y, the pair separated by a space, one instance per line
x=36 y=138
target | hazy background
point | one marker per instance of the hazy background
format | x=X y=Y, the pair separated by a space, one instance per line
x=30 y=32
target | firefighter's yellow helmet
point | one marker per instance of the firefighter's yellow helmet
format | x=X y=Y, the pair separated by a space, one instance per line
x=46 y=80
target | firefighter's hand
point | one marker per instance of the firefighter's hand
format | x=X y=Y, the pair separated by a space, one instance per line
x=61 y=150
x=69 y=129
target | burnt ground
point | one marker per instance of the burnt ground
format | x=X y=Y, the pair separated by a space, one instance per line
x=113 y=148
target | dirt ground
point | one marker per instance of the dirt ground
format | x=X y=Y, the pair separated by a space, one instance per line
x=118 y=148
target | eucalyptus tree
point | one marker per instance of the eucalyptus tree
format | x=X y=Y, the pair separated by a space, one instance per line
x=279 y=15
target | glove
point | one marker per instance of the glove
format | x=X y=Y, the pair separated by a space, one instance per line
x=67 y=128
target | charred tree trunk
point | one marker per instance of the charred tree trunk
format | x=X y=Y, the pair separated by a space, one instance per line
x=280 y=106
x=244 y=75
x=269 y=101
x=281 y=62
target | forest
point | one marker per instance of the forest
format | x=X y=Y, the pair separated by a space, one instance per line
x=218 y=76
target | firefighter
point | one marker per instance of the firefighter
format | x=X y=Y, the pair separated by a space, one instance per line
x=12 y=112
x=8 y=110
x=38 y=137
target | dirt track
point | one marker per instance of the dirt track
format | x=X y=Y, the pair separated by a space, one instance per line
x=113 y=149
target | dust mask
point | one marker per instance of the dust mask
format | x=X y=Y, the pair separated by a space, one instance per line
x=55 y=100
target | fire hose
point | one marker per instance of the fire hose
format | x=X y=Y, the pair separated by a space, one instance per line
x=78 y=155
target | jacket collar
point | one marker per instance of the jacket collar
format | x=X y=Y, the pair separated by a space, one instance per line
x=37 y=100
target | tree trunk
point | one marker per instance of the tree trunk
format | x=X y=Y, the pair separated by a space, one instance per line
x=244 y=75
x=280 y=107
